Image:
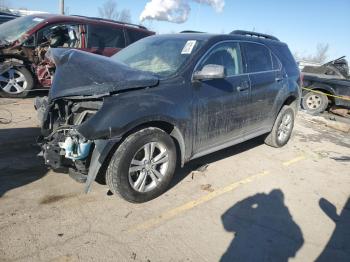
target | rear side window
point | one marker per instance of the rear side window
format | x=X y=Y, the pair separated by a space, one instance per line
x=104 y=36
x=135 y=35
x=258 y=58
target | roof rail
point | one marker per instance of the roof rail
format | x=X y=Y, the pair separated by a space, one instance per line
x=111 y=21
x=249 y=33
x=190 y=31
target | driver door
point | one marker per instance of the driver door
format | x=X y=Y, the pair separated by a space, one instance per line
x=220 y=105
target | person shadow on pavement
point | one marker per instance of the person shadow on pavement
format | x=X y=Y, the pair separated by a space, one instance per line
x=263 y=229
x=338 y=247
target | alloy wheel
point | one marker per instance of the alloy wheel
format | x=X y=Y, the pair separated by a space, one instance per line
x=284 y=128
x=148 y=167
x=13 y=82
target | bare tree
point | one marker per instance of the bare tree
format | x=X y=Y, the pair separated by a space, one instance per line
x=109 y=10
x=320 y=55
x=125 y=16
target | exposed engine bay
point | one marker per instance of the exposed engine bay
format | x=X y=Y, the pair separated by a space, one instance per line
x=63 y=146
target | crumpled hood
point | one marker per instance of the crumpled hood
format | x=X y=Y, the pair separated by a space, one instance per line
x=80 y=73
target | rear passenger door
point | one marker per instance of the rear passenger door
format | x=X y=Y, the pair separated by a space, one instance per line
x=264 y=85
x=105 y=40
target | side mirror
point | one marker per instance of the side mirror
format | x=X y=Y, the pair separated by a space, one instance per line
x=210 y=72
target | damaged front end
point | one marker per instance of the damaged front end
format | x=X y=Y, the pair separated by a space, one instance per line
x=63 y=147
x=82 y=84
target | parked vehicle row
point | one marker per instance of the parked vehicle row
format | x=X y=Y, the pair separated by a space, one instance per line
x=162 y=101
x=25 y=41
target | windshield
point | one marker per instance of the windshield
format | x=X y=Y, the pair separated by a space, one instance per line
x=158 y=55
x=14 y=29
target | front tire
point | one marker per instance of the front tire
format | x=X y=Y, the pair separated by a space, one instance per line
x=16 y=83
x=282 y=128
x=314 y=103
x=142 y=166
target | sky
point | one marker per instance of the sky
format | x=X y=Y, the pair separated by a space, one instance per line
x=302 y=24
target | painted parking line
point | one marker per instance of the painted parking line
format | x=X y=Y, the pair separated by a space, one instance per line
x=190 y=205
x=294 y=160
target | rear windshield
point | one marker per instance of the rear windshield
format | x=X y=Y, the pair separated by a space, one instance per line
x=14 y=29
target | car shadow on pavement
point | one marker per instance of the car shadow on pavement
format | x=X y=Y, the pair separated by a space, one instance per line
x=338 y=246
x=201 y=163
x=19 y=163
x=263 y=229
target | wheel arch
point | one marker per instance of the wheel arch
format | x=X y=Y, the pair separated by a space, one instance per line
x=168 y=127
x=290 y=100
x=13 y=61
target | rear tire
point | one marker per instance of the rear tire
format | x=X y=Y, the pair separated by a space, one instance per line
x=282 y=128
x=314 y=103
x=16 y=83
x=134 y=174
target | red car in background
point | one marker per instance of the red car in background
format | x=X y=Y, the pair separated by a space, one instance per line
x=25 y=41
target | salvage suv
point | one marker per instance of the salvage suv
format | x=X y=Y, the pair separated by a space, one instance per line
x=163 y=101
x=25 y=40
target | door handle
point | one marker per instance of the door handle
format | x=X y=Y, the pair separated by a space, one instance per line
x=242 y=88
x=279 y=79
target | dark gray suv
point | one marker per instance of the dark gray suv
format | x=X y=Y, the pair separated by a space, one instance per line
x=165 y=100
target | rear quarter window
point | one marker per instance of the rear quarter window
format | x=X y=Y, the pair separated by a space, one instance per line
x=105 y=36
x=285 y=56
x=257 y=57
x=276 y=64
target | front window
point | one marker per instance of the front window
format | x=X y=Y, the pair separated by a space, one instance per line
x=61 y=35
x=227 y=55
x=13 y=30
x=158 y=55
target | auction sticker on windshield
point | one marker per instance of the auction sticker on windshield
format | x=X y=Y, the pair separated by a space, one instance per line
x=37 y=19
x=188 y=47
